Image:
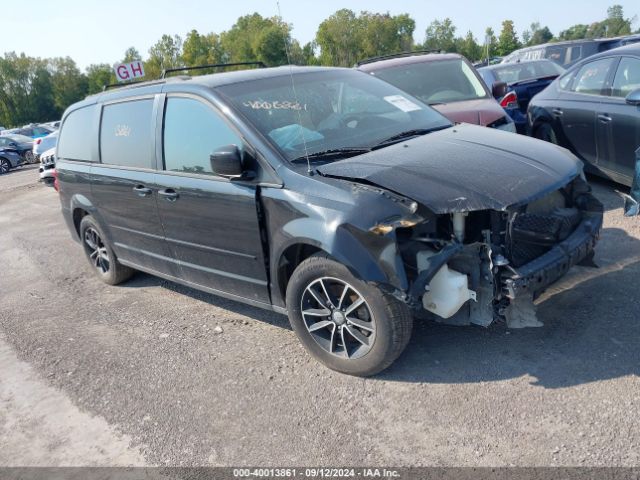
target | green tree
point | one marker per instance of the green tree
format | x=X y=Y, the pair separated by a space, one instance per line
x=200 y=49
x=441 y=35
x=469 y=47
x=69 y=84
x=536 y=35
x=255 y=38
x=575 y=32
x=490 y=45
x=616 y=24
x=26 y=90
x=131 y=54
x=339 y=39
x=508 y=39
x=99 y=75
x=166 y=53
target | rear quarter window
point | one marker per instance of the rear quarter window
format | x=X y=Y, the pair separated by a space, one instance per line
x=126 y=137
x=76 y=135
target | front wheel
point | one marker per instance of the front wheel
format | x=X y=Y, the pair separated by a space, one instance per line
x=5 y=166
x=347 y=324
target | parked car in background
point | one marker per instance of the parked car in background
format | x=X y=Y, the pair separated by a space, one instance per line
x=21 y=144
x=48 y=166
x=570 y=52
x=447 y=82
x=524 y=80
x=594 y=110
x=55 y=124
x=34 y=131
x=486 y=62
x=44 y=143
x=326 y=194
x=9 y=159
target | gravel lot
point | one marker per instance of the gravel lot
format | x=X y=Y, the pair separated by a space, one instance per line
x=143 y=370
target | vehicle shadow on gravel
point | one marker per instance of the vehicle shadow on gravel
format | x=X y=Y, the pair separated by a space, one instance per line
x=141 y=280
x=591 y=332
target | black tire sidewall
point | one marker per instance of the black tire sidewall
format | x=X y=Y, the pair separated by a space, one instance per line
x=382 y=352
x=110 y=276
x=7 y=163
x=545 y=133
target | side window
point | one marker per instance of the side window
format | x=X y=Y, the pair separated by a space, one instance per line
x=565 y=81
x=627 y=77
x=126 y=135
x=192 y=132
x=591 y=77
x=76 y=135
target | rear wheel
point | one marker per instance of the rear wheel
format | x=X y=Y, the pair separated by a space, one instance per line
x=29 y=157
x=101 y=255
x=347 y=324
x=545 y=132
x=5 y=166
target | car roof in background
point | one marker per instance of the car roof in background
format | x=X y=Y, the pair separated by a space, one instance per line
x=407 y=60
x=631 y=49
x=499 y=66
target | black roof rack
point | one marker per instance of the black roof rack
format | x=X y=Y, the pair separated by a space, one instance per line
x=214 y=65
x=397 y=55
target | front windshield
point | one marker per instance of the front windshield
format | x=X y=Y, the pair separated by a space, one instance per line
x=329 y=110
x=522 y=72
x=436 y=81
x=19 y=138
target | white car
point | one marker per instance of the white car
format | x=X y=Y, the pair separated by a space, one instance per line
x=43 y=144
x=48 y=166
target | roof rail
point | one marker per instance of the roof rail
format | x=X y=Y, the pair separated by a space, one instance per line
x=116 y=85
x=214 y=65
x=397 y=55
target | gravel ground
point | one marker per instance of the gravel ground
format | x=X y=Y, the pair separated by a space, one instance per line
x=186 y=378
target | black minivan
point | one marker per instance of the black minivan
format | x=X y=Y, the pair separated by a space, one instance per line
x=326 y=194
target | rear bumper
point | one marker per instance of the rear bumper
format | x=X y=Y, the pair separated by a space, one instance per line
x=538 y=274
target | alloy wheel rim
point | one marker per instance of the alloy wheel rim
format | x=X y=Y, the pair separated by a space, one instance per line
x=29 y=156
x=4 y=166
x=338 y=318
x=98 y=254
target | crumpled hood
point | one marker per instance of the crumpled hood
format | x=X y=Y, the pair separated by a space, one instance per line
x=483 y=111
x=464 y=168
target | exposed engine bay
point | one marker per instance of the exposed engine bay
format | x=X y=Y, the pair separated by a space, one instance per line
x=483 y=266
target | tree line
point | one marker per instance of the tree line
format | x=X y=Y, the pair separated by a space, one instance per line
x=36 y=89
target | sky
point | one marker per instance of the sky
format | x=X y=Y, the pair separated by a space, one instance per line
x=91 y=31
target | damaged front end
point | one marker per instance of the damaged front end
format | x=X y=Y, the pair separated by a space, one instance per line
x=487 y=265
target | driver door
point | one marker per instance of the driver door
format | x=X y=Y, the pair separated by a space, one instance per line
x=210 y=222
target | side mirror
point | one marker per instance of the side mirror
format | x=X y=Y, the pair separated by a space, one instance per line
x=13 y=144
x=227 y=162
x=499 y=89
x=634 y=97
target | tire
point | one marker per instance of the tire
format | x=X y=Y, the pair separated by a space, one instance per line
x=5 y=166
x=545 y=132
x=359 y=338
x=30 y=157
x=100 y=254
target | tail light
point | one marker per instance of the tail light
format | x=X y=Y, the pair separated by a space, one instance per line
x=510 y=100
x=38 y=141
x=56 y=183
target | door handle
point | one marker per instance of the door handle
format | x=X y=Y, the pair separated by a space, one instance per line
x=557 y=112
x=604 y=117
x=142 y=191
x=169 y=193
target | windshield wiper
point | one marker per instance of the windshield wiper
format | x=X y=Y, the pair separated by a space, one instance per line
x=410 y=133
x=333 y=154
